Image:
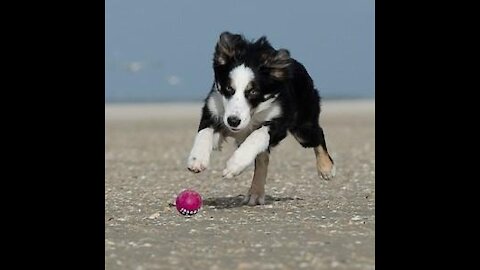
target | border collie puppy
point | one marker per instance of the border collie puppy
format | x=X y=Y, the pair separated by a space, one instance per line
x=258 y=95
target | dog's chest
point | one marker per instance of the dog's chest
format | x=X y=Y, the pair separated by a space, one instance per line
x=243 y=134
x=266 y=112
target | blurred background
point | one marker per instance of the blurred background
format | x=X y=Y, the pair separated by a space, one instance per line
x=161 y=51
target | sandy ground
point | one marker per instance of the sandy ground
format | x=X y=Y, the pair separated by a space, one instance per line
x=307 y=223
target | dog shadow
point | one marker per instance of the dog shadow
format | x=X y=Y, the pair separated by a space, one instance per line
x=237 y=201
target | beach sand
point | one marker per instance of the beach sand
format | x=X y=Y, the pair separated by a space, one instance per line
x=307 y=223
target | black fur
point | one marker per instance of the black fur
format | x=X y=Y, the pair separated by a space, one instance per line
x=275 y=73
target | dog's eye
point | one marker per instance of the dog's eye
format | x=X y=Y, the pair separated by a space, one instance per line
x=253 y=92
x=229 y=89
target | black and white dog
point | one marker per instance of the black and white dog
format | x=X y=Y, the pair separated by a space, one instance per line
x=259 y=94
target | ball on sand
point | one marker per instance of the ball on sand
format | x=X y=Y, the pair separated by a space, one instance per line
x=188 y=202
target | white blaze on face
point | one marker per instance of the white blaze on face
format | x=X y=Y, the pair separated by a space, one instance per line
x=237 y=105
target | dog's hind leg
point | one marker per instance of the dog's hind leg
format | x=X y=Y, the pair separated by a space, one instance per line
x=256 y=193
x=311 y=135
x=325 y=165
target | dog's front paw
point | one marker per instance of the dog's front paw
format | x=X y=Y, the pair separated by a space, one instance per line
x=232 y=171
x=254 y=198
x=235 y=166
x=197 y=163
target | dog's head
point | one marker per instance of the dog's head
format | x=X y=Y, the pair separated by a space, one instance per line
x=247 y=75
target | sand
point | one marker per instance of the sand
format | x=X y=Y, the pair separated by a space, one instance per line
x=307 y=223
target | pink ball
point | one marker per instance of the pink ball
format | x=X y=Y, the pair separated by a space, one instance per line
x=188 y=202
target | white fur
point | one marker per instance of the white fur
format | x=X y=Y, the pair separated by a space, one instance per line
x=218 y=139
x=237 y=105
x=270 y=96
x=215 y=105
x=202 y=147
x=253 y=145
x=266 y=111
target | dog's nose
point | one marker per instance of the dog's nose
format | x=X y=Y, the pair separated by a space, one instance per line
x=233 y=121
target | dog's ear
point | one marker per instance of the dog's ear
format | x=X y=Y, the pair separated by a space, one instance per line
x=228 y=47
x=277 y=64
x=264 y=48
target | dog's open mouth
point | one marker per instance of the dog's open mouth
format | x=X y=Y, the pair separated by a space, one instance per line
x=234 y=129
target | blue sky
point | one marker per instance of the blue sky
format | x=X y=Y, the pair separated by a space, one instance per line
x=162 y=50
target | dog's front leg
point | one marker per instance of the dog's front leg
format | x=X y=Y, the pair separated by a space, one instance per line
x=202 y=148
x=257 y=142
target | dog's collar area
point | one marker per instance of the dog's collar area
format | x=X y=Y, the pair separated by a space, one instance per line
x=270 y=96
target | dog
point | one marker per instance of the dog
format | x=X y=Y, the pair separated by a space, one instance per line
x=259 y=94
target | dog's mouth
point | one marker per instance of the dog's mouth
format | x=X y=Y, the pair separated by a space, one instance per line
x=234 y=129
